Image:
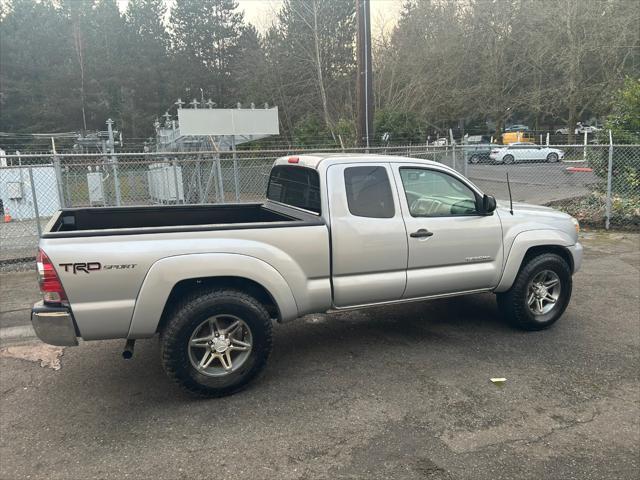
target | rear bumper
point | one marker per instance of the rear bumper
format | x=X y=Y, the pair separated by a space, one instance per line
x=54 y=325
x=576 y=253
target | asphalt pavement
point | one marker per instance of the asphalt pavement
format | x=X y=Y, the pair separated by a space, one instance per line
x=395 y=392
x=533 y=182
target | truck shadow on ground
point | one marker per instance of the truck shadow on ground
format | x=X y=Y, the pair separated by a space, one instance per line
x=317 y=346
x=324 y=360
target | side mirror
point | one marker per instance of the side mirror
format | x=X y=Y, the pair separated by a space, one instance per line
x=488 y=204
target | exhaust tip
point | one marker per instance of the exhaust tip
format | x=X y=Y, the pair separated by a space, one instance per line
x=127 y=353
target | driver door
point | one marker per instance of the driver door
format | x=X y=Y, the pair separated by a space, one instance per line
x=452 y=247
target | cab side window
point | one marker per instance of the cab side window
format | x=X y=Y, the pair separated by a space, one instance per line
x=431 y=193
x=369 y=192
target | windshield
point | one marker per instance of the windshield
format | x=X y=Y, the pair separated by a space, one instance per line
x=295 y=186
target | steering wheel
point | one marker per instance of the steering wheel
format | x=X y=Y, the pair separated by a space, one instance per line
x=425 y=206
x=463 y=207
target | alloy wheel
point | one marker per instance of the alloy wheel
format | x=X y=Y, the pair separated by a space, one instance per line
x=220 y=345
x=543 y=292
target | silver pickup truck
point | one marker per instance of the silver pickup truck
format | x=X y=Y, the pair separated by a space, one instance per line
x=336 y=232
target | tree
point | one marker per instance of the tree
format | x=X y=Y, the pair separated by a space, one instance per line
x=597 y=44
x=624 y=124
x=250 y=69
x=146 y=91
x=536 y=61
x=205 y=41
x=96 y=31
x=67 y=65
x=403 y=127
x=624 y=121
x=310 y=52
x=34 y=57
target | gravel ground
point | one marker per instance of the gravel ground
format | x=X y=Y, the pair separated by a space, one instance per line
x=394 y=392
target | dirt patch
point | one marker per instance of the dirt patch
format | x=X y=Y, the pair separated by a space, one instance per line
x=47 y=355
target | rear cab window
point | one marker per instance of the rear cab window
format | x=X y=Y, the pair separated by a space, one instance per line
x=295 y=186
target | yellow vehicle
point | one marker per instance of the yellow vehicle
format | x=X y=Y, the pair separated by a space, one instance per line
x=513 y=137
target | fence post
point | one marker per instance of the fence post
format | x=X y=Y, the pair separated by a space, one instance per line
x=236 y=181
x=220 y=182
x=114 y=161
x=116 y=180
x=58 y=172
x=584 y=149
x=175 y=180
x=35 y=201
x=609 y=181
x=67 y=192
x=453 y=153
x=56 y=167
x=465 y=161
x=199 y=179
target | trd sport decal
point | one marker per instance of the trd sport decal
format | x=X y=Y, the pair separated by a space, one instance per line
x=88 y=267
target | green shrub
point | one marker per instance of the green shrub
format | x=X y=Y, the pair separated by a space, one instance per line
x=624 y=124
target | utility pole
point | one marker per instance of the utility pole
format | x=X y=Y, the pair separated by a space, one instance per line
x=364 y=87
x=114 y=161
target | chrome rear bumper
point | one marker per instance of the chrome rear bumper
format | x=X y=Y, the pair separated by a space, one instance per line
x=54 y=325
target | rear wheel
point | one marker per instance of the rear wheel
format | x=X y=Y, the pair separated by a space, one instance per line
x=508 y=159
x=216 y=342
x=540 y=293
x=552 y=157
x=474 y=159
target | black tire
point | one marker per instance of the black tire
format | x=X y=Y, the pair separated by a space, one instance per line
x=513 y=303
x=474 y=159
x=508 y=159
x=189 y=315
x=552 y=157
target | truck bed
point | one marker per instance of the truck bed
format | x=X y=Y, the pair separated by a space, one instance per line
x=75 y=222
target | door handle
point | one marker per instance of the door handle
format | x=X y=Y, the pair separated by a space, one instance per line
x=422 y=233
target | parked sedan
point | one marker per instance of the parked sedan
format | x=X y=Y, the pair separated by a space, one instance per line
x=525 y=152
x=582 y=129
x=517 y=128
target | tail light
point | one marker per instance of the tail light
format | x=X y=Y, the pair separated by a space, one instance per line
x=50 y=284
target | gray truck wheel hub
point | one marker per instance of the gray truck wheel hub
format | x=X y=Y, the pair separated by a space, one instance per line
x=543 y=292
x=220 y=345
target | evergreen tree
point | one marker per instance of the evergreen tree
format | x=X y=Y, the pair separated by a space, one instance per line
x=146 y=90
x=250 y=69
x=34 y=56
x=205 y=40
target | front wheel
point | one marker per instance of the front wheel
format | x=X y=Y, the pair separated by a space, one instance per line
x=540 y=293
x=474 y=159
x=216 y=342
x=552 y=157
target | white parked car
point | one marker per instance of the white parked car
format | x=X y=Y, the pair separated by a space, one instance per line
x=525 y=152
x=582 y=129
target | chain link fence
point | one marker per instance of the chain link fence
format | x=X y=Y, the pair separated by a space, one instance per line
x=598 y=184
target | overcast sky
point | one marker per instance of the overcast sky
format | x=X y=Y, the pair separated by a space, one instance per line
x=262 y=12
